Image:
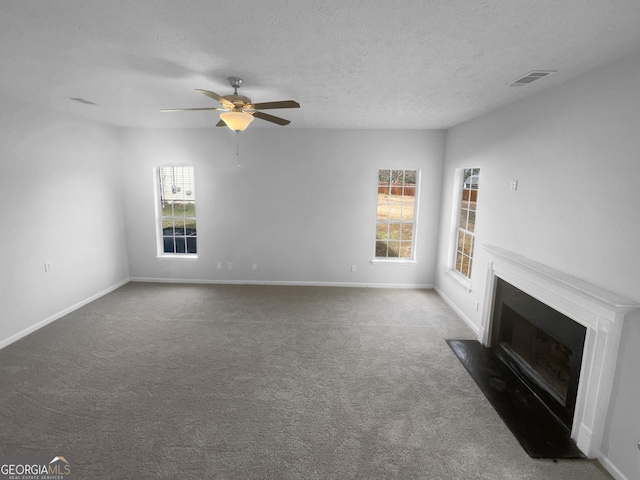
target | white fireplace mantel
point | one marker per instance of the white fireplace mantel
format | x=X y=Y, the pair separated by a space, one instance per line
x=602 y=313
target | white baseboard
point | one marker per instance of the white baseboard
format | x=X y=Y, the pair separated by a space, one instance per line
x=612 y=469
x=289 y=283
x=474 y=327
x=56 y=316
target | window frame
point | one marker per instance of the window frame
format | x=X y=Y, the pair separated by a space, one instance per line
x=458 y=193
x=160 y=253
x=414 y=222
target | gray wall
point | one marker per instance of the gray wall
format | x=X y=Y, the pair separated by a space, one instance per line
x=301 y=205
x=575 y=151
x=61 y=194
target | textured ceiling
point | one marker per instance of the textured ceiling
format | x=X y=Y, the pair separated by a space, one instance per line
x=351 y=64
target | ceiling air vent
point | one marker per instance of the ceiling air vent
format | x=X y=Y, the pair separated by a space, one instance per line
x=531 y=77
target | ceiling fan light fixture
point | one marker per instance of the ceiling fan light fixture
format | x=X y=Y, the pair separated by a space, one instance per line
x=237 y=121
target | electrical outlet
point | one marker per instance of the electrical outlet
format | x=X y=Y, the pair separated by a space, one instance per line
x=229 y=265
x=219 y=266
x=353 y=268
x=48 y=267
x=254 y=266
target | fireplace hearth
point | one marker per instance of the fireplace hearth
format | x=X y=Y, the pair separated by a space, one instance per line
x=541 y=433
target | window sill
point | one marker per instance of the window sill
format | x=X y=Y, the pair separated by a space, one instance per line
x=461 y=279
x=392 y=261
x=179 y=256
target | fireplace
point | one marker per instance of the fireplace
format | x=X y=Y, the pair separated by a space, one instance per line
x=541 y=345
x=598 y=313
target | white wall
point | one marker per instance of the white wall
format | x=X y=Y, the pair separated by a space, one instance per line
x=61 y=197
x=301 y=205
x=575 y=151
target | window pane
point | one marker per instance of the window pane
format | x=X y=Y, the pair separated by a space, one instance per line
x=384 y=177
x=409 y=208
x=178 y=227
x=410 y=177
x=460 y=240
x=168 y=245
x=467 y=248
x=178 y=209
x=473 y=200
x=382 y=231
x=181 y=245
x=466 y=197
x=381 y=249
x=405 y=249
x=394 y=249
x=464 y=217
x=476 y=175
x=465 y=266
x=471 y=224
x=192 y=244
x=190 y=209
x=410 y=192
x=394 y=231
x=384 y=181
x=407 y=232
x=396 y=211
x=384 y=212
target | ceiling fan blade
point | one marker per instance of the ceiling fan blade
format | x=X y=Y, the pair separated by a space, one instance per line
x=271 y=118
x=221 y=124
x=270 y=105
x=189 y=109
x=223 y=101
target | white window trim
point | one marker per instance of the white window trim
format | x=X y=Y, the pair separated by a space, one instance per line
x=160 y=253
x=393 y=261
x=177 y=256
x=416 y=215
x=461 y=279
x=453 y=233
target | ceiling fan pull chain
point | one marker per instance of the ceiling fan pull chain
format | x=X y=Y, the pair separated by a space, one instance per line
x=238 y=148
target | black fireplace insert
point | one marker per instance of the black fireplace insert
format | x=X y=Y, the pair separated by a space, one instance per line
x=541 y=345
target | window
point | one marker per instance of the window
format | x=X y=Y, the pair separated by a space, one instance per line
x=466 y=226
x=177 y=226
x=396 y=214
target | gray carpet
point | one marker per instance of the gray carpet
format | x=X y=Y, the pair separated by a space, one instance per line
x=259 y=382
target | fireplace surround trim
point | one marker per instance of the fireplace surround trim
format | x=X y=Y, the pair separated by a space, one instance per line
x=603 y=314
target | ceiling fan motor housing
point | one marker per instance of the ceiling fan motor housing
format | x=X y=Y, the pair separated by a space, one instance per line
x=238 y=100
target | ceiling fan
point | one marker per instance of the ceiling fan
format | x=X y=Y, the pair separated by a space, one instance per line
x=238 y=110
